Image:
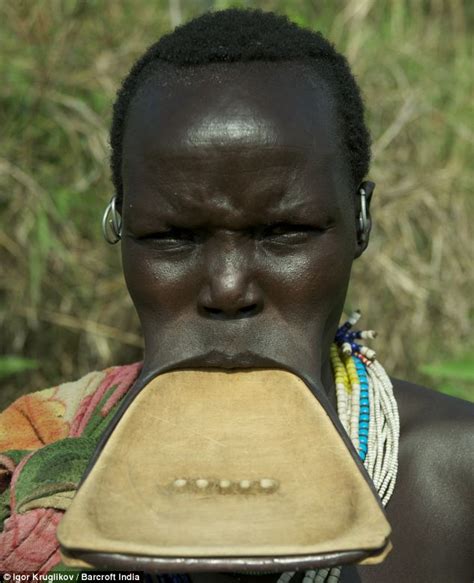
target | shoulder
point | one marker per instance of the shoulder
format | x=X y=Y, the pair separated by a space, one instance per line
x=436 y=442
x=428 y=414
x=431 y=507
x=433 y=497
x=47 y=415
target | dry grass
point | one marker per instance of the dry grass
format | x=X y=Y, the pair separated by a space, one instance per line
x=64 y=300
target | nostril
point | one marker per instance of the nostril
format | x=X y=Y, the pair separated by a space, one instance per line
x=213 y=311
x=248 y=309
x=243 y=312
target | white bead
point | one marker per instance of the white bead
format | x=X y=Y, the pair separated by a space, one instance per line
x=346 y=348
x=286 y=577
x=180 y=483
x=225 y=484
x=201 y=483
x=354 y=318
x=368 y=334
x=245 y=484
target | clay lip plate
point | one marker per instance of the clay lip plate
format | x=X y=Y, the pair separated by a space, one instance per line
x=206 y=427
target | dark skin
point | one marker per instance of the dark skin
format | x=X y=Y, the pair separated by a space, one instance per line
x=239 y=235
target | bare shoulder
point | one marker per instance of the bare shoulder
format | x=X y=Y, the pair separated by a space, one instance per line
x=431 y=508
x=436 y=443
x=429 y=416
x=416 y=399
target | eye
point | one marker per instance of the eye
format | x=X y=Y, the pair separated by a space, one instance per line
x=171 y=238
x=288 y=232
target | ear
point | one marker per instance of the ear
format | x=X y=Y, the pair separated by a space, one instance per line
x=363 y=217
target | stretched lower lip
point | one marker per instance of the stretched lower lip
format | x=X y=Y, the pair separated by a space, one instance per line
x=218 y=359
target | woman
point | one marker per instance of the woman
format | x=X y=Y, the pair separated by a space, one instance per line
x=239 y=158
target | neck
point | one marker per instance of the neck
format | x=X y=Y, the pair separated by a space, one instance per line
x=327 y=378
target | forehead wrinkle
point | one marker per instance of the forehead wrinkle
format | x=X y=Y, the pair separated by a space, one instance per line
x=216 y=170
x=285 y=191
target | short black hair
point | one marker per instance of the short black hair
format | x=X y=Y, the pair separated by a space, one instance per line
x=243 y=35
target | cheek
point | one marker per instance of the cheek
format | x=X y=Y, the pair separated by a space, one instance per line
x=157 y=286
x=313 y=278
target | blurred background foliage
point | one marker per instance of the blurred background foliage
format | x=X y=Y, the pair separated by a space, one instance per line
x=64 y=306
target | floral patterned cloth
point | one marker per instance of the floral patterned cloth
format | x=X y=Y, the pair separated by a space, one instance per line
x=46 y=441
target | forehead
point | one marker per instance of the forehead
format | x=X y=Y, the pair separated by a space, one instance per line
x=226 y=124
x=236 y=101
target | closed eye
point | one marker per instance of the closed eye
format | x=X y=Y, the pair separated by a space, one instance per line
x=289 y=232
x=172 y=237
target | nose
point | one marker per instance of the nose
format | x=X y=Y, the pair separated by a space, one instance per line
x=230 y=291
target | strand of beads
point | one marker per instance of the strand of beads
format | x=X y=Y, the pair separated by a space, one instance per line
x=384 y=463
x=364 y=408
x=342 y=388
x=368 y=412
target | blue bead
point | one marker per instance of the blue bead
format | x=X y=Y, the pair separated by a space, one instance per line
x=364 y=410
x=364 y=417
x=364 y=385
x=364 y=402
x=363 y=440
x=363 y=424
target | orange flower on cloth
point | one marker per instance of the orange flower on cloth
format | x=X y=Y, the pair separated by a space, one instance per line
x=33 y=421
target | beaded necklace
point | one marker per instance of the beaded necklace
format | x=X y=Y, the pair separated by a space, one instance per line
x=368 y=412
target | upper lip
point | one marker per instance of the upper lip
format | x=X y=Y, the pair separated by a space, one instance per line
x=219 y=359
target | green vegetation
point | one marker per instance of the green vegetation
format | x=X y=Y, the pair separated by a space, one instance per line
x=455 y=377
x=64 y=302
x=10 y=365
